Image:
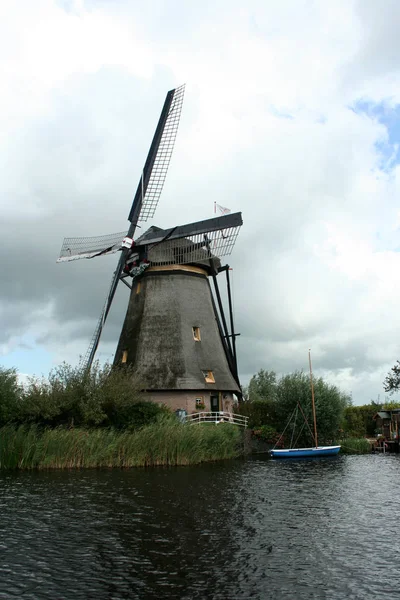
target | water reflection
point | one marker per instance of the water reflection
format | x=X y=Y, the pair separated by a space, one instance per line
x=241 y=529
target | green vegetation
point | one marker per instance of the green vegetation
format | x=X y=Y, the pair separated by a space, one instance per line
x=70 y=397
x=390 y=405
x=10 y=394
x=98 y=419
x=164 y=443
x=392 y=380
x=358 y=420
x=355 y=446
x=263 y=387
x=271 y=402
x=260 y=413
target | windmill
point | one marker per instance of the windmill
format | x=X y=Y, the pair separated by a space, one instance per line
x=175 y=333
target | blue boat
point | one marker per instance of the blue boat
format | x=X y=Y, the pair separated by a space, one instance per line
x=305 y=452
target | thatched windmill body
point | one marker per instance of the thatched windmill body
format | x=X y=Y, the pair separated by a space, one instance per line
x=175 y=334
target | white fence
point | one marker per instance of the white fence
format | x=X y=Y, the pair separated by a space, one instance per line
x=217 y=417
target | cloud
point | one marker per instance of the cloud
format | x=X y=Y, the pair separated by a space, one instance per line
x=276 y=123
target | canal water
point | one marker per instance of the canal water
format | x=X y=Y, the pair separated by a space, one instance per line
x=257 y=528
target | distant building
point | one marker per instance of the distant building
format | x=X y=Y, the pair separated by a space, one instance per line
x=388 y=421
x=388 y=426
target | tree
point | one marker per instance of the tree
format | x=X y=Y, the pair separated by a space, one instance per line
x=358 y=420
x=330 y=404
x=261 y=399
x=260 y=413
x=392 y=381
x=353 y=423
x=262 y=387
x=273 y=402
x=10 y=395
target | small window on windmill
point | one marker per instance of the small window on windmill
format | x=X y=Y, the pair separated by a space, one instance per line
x=139 y=285
x=209 y=376
x=196 y=334
x=124 y=356
x=200 y=402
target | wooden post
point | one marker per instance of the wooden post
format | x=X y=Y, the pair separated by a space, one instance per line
x=313 y=401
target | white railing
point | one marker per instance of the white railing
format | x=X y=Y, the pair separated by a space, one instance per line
x=217 y=417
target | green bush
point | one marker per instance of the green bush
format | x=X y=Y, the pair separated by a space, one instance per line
x=266 y=433
x=10 y=395
x=104 y=397
x=269 y=435
x=259 y=413
x=358 y=420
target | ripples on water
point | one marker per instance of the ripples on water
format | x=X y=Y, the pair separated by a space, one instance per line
x=323 y=529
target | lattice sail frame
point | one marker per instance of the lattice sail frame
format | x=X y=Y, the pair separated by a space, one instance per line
x=174 y=246
x=163 y=157
x=75 y=248
x=194 y=248
x=89 y=247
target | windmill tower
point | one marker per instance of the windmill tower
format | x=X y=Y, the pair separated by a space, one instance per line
x=175 y=334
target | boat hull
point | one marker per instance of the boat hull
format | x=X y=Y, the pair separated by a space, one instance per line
x=305 y=452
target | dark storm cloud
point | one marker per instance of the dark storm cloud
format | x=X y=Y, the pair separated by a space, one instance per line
x=71 y=173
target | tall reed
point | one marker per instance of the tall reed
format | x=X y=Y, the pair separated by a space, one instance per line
x=355 y=446
x=163 y=443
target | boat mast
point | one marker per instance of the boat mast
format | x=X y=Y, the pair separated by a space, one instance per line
x=313 y=401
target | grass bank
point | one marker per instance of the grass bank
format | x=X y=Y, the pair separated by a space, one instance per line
x=170 y=444
x=355 y=446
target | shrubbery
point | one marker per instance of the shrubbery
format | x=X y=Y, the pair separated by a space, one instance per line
x=259 y=412
x=268 y=434
x=104 y=397
x=10 y=394
x=358 y=421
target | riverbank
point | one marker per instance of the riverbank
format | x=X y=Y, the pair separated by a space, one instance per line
x=169 y=444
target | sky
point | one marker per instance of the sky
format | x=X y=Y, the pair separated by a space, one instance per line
x=291 y=115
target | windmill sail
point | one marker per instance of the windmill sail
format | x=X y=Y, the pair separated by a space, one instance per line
x=143 y=206
x=149 y=188
x=87 y=359
x=155 y=169
x=89 y=247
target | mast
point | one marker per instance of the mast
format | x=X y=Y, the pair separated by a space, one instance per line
x=313 y=400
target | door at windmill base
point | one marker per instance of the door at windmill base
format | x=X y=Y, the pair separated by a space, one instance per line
x=214 y=402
